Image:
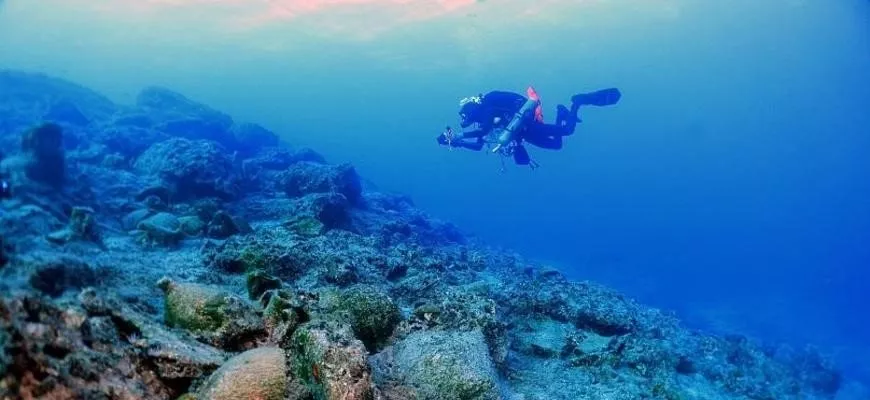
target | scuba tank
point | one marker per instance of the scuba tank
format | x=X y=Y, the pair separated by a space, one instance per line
x=506 y=134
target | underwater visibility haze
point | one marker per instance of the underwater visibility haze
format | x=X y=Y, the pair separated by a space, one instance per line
x=729 y=185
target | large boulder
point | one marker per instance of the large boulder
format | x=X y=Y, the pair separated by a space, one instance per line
x=442 y=365
x=191 y=168
x=253 y=137
x=97 y=348
x=263 y=170
x=308 y=178
x=330 y=363
x=255 y=374
x=26 y=98
x=129 y=141
x=220 y=318
x=177 y=115
x=372 y=314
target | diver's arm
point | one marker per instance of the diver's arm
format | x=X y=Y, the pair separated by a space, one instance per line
x=477 y=133
x=477 y=145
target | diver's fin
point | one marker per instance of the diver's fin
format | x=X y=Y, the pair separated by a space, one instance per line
x=603 y=97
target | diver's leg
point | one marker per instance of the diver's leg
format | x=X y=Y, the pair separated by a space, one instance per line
x=545 y=136
x=521 y=156
x=566 y=120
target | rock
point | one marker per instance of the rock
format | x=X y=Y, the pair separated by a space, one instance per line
x=191 y=225
x=255 y=374
x=33 y=95
x=100 y=333
x=307 y=177
x=82 y=226
x=258 y=282
x=372 y=314
x=263 y=171
x=446 y=365
x=5 y=251
x=329 y=209
x=222 y=226
x=182 y=117
x=330 y=363
x=62 y=352
x=172 y=357
x=53 y=274
x=282 y=315
x=546 y=338
x=306 y=154
x=253 y=137
x=221 y=318
x=157 y=100
x=191 y=168
x=268 y=251
x=161 y=229
x=457 y=310
x=43 y=147
x=132 y=219
x=129 y=141
x=162 y=193
x=64 y=111
x=133 y=119
x=306 y=226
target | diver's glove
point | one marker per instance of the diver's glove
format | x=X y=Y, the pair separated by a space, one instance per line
x=449 y=136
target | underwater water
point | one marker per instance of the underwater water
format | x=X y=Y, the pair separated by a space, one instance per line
x=730 y=184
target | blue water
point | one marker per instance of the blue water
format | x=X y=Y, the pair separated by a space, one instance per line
x=730 y=184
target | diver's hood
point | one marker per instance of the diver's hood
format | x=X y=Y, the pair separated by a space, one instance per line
x=467 y=108
x=470 y=100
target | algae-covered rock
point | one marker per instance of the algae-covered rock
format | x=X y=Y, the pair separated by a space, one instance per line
x=133 y=218
x=255 y=374
x=372 y=314
x=82 y=226
x=259 y=282
x=171 y=356
x=53 y=274
x=546 y=338
x=191 y=168
x=223 y=225
x=459 y=310
x=223 y=319
x=444 y=365
x=283 y=313
x=191 y=225
x=306 y=226
x=308 y=177
x=330 y=363
x=160 y=229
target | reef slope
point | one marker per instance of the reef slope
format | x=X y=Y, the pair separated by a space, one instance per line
x=164 y=249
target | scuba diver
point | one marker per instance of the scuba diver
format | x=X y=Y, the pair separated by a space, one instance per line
x=5 y=189
x=509 y=119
